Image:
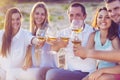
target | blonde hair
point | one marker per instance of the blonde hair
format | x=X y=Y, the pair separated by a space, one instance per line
x=8 y=34
x=33 y=27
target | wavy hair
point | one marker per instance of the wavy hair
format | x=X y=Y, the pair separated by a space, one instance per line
x=112 y=31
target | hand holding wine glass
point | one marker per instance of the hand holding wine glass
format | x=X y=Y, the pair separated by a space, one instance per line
x=40 y=34
x=76 y=39
x=77 y=28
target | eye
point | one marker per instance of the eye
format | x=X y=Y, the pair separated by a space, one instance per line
x=100 y=17
x=37 y=13
x=78 y=15
x=109 y=11
x=43 y=14
x=18 y=18
x=107 y=17
x=116 y=8
x=71 y=15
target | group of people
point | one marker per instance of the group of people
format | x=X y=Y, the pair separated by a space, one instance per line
x=24 y=57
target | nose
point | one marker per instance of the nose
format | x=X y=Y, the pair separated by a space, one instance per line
x=75 y=17
x=39 y=15
x=103 y=19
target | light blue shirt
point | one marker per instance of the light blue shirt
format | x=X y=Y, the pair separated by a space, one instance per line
x=107 y=46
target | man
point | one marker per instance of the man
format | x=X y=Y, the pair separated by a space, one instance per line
x=113 y=7
x=77 y=68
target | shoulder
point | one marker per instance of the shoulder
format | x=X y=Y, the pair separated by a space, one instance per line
x=92 y=34
x=89 y=28
x=1 y=33
x=25 y=31
x=116 y=43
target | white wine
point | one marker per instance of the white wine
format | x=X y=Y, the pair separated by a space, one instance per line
x=77 y=30
x=65 y=38
x=76 y=42
x=41 y=38
x=51 y=39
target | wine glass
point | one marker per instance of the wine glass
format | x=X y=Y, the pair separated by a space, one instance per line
x=77 y=25
x=40 y=34
x=64 y=37
x=51 y=35
x=77 y=28
x=76 y=38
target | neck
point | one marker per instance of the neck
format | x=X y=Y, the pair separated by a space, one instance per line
x=15 y=32
x=103 y=33
x=39 y=26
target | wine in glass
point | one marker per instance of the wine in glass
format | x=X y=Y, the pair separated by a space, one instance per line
x=40 y=34
x=77 y=25
x=76 y=39
x=51 y=35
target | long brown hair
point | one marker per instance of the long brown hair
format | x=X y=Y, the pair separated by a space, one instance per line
x=8 y=33
x=33 y=27
x=112 y=31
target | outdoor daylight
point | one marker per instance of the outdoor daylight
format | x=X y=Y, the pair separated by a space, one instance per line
x=59 y=39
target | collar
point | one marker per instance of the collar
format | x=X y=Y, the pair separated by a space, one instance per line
x=18 y=34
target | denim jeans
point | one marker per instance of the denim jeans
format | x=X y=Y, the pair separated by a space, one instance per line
x=61 y=74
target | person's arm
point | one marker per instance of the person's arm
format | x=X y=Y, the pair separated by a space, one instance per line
x=91 y=43
x=116 y=43
x=109 y=70
x=113 y=56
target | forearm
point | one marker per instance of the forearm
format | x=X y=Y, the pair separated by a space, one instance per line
x=113 y=56
x=111 y=70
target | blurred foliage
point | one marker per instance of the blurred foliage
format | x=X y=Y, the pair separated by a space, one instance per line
x=1 y=22
x=60 y=17
x=65 y=7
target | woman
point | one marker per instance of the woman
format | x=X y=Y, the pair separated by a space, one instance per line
x=105 y=39
x=39 y=21
x=14 y=41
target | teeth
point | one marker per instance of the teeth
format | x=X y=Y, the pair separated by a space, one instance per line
x=103 y=23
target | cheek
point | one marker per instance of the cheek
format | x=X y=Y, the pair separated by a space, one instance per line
x=98 y=22
x=43 y=18
x=109 y=22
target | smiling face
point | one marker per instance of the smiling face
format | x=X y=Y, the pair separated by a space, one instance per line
x=16 y=21
x=114 y=10
x=75 y=13
x=103 y=20
x=39 y=16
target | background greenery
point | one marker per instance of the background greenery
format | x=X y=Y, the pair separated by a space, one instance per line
x=57 y=10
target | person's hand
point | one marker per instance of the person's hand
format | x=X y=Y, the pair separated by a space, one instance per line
x=25 y=67
x=95 y=75
x=80 y=51
x=38 y=42
x=58 y=44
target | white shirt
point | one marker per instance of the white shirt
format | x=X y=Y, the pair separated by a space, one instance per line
x=76 y=63
x=16 y=56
